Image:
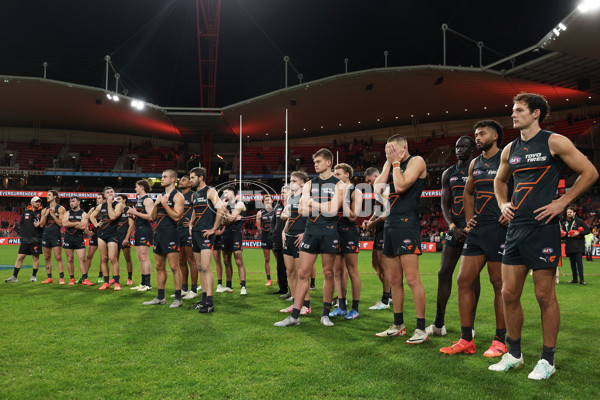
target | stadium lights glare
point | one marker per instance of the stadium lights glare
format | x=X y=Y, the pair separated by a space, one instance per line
x=137 y=104
x=562 y=26
x=556 y=32
x=588 y=5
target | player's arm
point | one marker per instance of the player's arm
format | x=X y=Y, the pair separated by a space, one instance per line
x=220 y=208
x=131 y=224
x=381 y=183
x=258 y=221
x=356 y=206
x=303 y=208
x=404 y=181
x=94 y=214
x=83 y=224
x=154 y=212
x=561 y=146
x=501 y=185
x=65 y=221
x=44 y=217
x=176 y=212
x=469 y=196
x=331 y=207
x=115 y=213
x=61 y=213
x=447 y=199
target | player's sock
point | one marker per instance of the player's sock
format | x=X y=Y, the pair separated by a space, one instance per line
x=71 y=276
x=548 y=354
x=312 y=282
x=268 y=277
x=500 y=335
x=194 y=288
x=49 y=276
x=326 y=309
x=35 y=271
x=16 y=272
x=219 y=281
x=306 y=303
x=342 y=303
x=117 y=278
x=440 y=316
x=514 y=347
x=100 y=274
x=209 y=300
x=184 y=287
x=61 y=275
x=178 y=294
x=385 y=298
x=466 y=333
x=355 y=304
x=296 y=313
x=243 y=283
x=421 y=323
x=129 y=275
x=398 y=318
x=84 y=276
x=229 y=284
x=161 y=294
x=106 y=279
x=204 y=296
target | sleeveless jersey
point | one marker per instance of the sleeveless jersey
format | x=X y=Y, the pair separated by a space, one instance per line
x=91 y=226
x=484 y=172
x=187 y=210
x=536 y=174
x=204 y=214
x=164 y=223
x=51 y=226
x=265 y=221
x=297 y=222
x=75 y=216
x=123 y=224
x=402 y=208
x=107 y=226
x=343 y=221
x=139 y=207
x=322 y=191
x=237 y=225
x=457 y=179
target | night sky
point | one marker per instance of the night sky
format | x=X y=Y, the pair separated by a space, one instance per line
x=153 y=43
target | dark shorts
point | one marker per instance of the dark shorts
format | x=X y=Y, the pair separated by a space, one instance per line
x=143 y=236
x=536 y=247
x=349 y=240
x=378 y=242
x=218 y=244
x=320 y=244
x=399 y=242
x=266 y=241
x=450 y=240
x=94 y=241
x=166 y=242
x=51 y=240
x=30 y=249
x=121 y=238
x=289 y=248
x=486 y=240
x=199 y=242
x=231 y=240
x=185 y=239
x=109 y=238
x=73 y=243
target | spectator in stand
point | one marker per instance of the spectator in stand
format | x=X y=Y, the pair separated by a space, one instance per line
x=574 y=230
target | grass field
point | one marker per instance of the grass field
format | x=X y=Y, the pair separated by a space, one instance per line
x=79 y=343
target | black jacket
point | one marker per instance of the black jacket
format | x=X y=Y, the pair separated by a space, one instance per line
x=575 y=244
x=27 y=230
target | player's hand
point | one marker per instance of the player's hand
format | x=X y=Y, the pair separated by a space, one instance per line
x=548 y=212
x=392 y=153
x=503 y=221
x=471 y=224
x=125 y=241
x=164 y=200
x=131 y=212
x=508 y=212
x=298 y=240
x=186 y=224
x=207 y=232
x=158 y=199
x=459 y=234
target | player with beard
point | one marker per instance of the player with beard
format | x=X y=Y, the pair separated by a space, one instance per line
x=143 y=236
x=263 y=224
x=31 y=239
x=92 y=232
x=51 y=221
x=109 y=214
x=453 y=210
x=124 y=230
x=207 y=214
x=168 y=209
x=485 y=240
x=75 y=221
x=186 y=255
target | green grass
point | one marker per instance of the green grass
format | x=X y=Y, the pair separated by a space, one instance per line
x=77 y=342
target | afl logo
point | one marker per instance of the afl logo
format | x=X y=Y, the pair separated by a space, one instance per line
x=548 y=250
x=453 y=179
x=477 y=172
x=515 y=160
x=407 y=241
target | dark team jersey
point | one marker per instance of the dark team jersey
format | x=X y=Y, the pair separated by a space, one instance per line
x=164 y=223
x=484 y=172
x=321 y=191
x=277 y=226
x=343 y=221
x=75 y=216
x=188 y=208
x=402 y=207
x=457 y=179
x=204 y=214
x=123 y=225
x=107 y=226
x=51 y=226
x=378 y=204
x=297 y=223
x=535 y=177
x=91 y=226
x=237 y=225
x=265 y=221
x=139 y=207
x=27 y=230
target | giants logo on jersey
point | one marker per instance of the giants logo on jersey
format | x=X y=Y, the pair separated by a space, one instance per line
x=514 y=160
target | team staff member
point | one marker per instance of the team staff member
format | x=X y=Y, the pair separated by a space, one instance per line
x=293 y=232
x=124 y=231
x=143 y=236
x=485 y=241
x=51 y=221
x=535 y=160
x=108 y=214
x=375 y=224
x=168 y=209
x=320 y=202
x=575 y=229
x=207 y=214
x=277 y=238
x=75 y=221
x=453 y=210
x=263 y=224
x=92 y=231
x=232 y=237
x=186 y=255
x=347 y=259
x=401 y=236
x=31 y=239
